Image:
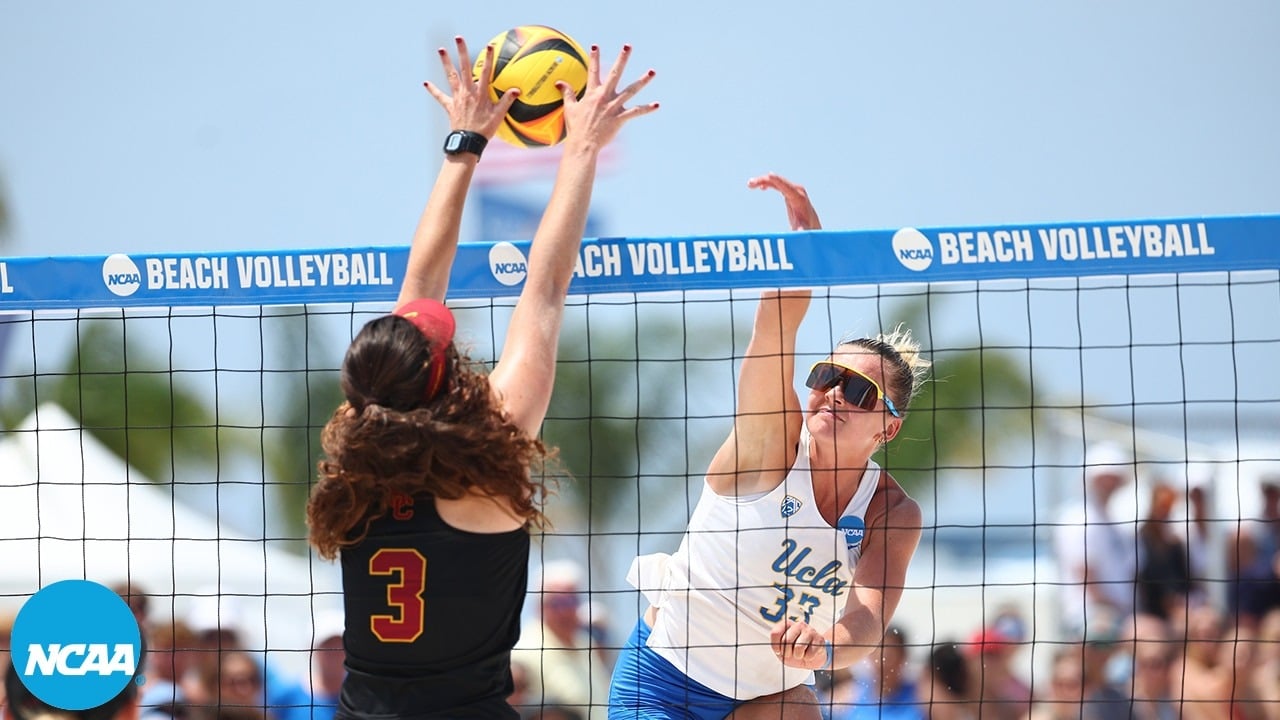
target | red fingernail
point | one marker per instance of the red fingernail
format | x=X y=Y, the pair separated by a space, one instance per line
x=626 y=48
x=652 y=72
x=426 y=84
x=457 y=38
x=595 y=48
x=655 y=106
x=442 y=51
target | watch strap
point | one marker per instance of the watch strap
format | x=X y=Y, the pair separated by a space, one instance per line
x=460 y=141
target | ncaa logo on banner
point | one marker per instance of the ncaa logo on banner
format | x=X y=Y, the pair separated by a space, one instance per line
x=121 y=275
x=912 y=249
x=76 y=645
x=507 y=263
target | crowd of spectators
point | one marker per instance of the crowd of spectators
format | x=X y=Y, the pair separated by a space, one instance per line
x=1152 y=627
x=1152 y=623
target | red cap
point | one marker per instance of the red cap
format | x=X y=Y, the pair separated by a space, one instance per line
x=988 y=641
x=436 y=323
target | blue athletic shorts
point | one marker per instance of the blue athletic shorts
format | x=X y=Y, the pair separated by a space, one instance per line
x=647 y=687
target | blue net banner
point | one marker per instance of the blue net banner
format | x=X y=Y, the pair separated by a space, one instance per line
x=641 y=265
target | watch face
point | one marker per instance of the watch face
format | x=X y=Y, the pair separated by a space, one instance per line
x=453 y=142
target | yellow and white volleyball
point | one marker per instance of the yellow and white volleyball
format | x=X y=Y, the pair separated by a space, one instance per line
x=533 y=58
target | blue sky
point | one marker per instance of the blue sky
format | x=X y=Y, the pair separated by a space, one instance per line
x=148 y=126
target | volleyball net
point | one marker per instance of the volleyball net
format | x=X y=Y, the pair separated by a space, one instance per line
x=161 y=412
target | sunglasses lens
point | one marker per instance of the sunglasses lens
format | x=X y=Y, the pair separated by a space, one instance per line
x=824 y=377
x=859 y=391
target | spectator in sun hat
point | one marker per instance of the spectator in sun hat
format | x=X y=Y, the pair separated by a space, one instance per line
x=564 y=668
x=1096 y=551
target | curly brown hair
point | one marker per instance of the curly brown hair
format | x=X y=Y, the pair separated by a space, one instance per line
x=388 y=440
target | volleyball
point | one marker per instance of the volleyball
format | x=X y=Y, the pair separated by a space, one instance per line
x=533 y=58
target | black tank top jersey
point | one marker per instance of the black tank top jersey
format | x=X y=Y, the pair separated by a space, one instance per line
x=432 y=615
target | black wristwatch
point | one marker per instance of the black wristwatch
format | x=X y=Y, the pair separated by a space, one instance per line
x=460 y=141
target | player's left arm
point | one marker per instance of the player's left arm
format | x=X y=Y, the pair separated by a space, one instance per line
x=893 y=533
x=435 y=240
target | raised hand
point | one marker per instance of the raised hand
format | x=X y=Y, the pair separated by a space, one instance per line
x=595 y=119
x=468 y=101
x=800 y=211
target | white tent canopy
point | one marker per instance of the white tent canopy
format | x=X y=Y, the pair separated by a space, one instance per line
x=70 y=508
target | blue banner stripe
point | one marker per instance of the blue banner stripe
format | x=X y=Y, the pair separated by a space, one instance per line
x=640 y=265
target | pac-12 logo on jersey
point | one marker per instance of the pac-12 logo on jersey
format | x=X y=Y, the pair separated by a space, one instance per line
x=854 y=530
x=790 y=505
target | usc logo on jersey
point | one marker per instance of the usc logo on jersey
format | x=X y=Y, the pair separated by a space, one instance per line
x=402 y=506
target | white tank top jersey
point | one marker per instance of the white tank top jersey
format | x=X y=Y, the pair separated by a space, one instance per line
x=743 y=565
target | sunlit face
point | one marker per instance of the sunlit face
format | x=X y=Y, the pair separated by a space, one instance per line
x=241 y=683
x=1150 y=669
x=1067 y=679
x=832 y=419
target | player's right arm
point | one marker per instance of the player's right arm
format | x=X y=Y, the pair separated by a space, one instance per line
x=761 y=447
x=435 y=241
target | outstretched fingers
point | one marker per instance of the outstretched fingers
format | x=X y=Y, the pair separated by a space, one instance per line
x=615 y=72
x=630 y=91
x=464 y=57
x=637 y=111
x=450 y=70
x=593 y=67
x=484 y=70
x=438 y=94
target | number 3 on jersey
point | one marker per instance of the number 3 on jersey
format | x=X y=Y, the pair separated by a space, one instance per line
x=404 y=594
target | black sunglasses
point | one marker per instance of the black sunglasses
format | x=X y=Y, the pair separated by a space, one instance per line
x=858 y=389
